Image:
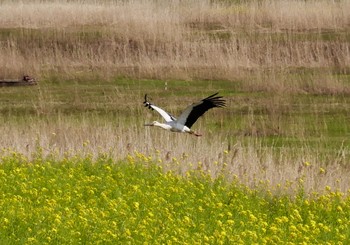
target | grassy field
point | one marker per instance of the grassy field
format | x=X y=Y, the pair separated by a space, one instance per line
x=265 y=135
x=270 y=168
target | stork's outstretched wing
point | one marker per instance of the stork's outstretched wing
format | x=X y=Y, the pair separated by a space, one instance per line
x=190 y=115
x=167 y=117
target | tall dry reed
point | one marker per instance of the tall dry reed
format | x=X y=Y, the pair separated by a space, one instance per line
x=173 y=39
x=283 y=169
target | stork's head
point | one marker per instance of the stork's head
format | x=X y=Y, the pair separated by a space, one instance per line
x=154 y=123
x=158 y=124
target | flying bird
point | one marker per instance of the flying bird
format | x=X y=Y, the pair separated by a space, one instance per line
x=188 y=117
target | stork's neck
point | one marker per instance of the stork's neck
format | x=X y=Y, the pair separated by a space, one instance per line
x=162 y=125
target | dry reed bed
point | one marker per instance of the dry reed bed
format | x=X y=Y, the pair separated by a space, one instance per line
x=278 y=15
x=192 y=39
x=282 y=169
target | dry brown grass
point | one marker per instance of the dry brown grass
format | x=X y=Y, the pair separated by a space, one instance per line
x=183 y=40
x=283 y=169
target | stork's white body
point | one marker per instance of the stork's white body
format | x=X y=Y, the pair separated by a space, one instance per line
x=188 y=117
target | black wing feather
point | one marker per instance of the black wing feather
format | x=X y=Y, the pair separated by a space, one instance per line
x=210 y=102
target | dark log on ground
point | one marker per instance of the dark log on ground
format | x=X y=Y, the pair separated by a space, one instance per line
x=25 y=81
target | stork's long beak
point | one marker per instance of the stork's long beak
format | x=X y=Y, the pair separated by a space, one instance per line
x=148 y=124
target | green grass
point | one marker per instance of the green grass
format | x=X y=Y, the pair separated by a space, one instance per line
x=84 y=201
x=288 y=119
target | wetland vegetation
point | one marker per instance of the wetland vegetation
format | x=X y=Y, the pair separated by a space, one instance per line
x=283 y=140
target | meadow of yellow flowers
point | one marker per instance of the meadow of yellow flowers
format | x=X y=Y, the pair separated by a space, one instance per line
x=80 y=200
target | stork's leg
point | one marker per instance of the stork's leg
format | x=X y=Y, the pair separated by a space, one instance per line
x=197 y=134
x=194 y=133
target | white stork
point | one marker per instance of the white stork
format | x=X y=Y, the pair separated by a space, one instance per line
x=188 y=117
